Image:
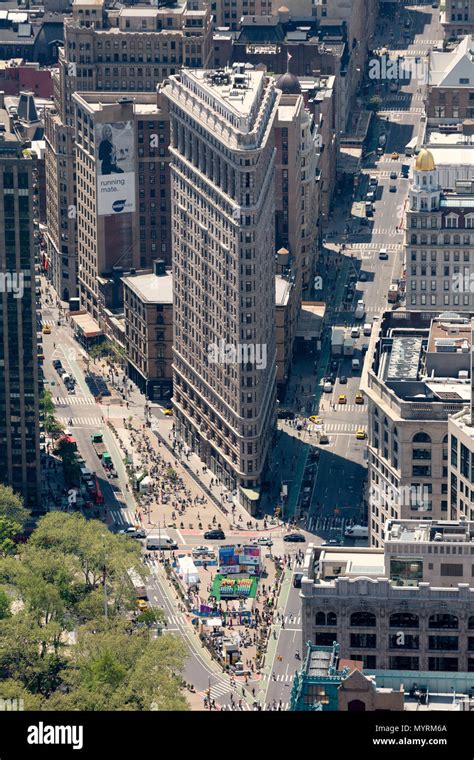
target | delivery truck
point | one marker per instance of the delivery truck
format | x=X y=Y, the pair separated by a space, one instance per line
x=337 y=341
x=97 y=440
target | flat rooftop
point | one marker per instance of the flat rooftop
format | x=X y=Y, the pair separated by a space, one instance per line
x=151 y=288
x=428 y=531
x=239 y=93
x=451 y=336
x=282 y=290
x=334 y=563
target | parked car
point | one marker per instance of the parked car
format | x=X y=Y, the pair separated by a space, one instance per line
x=214 y=535
x=294 y=538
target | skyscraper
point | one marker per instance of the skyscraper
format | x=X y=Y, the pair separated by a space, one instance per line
x=19 y=403
x=223 y=243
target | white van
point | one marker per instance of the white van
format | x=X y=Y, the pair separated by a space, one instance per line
x=367 y=328
x=355 y=332
x=383 y=253
x=160 y=541
x=357 y=531
x=355 y=364
x=327 y=387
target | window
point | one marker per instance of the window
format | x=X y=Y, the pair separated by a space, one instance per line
x=363 y=620
x=452 y=570
x=443 y=621
x=421 y=438
x=404 y=620
x=446 y=643
x=364 y=640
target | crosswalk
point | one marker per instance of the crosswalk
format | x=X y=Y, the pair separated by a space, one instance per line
x=122 y=517
x=351 y=408
x=399 y=109
x=84 y=421
x=75 y=401
x=48 y=322
x=279 y=677
x=316 y=524
x=343 y=427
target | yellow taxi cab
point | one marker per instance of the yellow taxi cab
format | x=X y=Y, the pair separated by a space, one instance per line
x=168 y=412
x=314 y=418
x=342 y=398
x=142 y=605
x=359 y=399
x=360 y=434
x=46 y=330
x=395 y=155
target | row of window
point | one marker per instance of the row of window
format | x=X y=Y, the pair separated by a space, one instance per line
x=364 y=619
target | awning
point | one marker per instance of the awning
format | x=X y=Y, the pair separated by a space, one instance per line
x=250 y=494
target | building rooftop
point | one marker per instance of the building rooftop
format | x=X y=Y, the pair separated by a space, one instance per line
x=422 y=360
x=426 y=531
x=282 y=290
x=151 y=288
x=229 y=91
x=454 y=68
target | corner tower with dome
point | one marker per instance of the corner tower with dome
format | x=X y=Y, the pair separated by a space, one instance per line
x=439 y=241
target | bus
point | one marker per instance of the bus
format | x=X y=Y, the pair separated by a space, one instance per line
x=410 y=147
x=137 y=583
x=98 y=497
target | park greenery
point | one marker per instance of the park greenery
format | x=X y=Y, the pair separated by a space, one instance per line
x=71 y=637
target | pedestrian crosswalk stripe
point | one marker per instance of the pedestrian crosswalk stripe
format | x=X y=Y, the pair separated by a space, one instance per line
x=342 y=427
x=75 y=401
x=81 y=420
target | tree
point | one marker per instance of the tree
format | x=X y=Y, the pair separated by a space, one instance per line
x=27 y=654
x=4 y=605
x=47 y=408
x=117 y=668
x=66 y=450
x=8 y=530
x=375 y=103
x=151 y=616
x=11 y=506
x=101 y=555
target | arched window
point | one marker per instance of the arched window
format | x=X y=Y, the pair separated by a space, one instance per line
x=445 y=439
x=363 y=620
x=444 y=621
x=320 y=618
x=421 y=438
x=331 y=618
x=404 y=620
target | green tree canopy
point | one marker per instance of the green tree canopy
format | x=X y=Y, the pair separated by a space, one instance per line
x=11 y=506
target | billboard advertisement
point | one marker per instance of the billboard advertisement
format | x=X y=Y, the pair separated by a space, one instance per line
x=115 y=167
x=239 y=559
